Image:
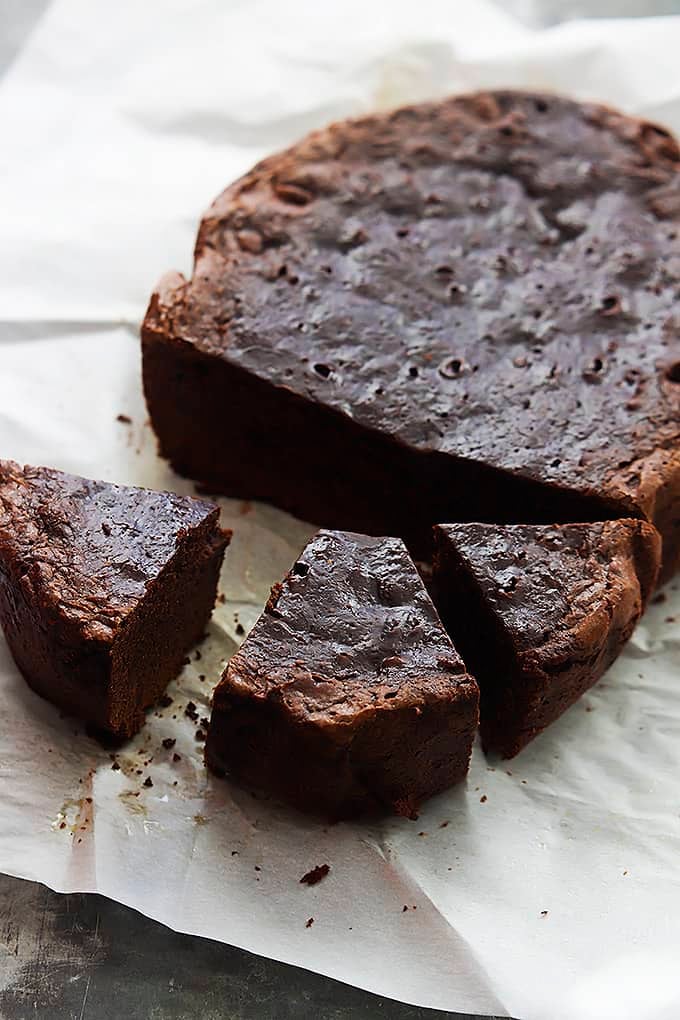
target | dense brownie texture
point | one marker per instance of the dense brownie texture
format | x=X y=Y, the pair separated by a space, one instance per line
x=347 y=696
x=539 y=613
x=103 y=589
x=465 y=310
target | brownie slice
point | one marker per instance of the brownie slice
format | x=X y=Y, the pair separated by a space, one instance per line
x=540 y=612
x=348 y=695
x=103 y=589
x=459 y=311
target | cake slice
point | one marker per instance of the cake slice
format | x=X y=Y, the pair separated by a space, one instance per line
x=103 y=589
x=540 y=612
x=348 y=694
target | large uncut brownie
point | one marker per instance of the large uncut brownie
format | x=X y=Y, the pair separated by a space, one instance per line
x=465 y=310
x=347 y=695
x=540 y=612
x=103 y=589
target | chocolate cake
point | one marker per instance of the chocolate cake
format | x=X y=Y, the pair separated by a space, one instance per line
x=347 y=695
x=464 y=310
x=103 y=589
x=540 y=612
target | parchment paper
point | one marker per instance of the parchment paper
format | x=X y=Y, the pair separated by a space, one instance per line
x=547 y=887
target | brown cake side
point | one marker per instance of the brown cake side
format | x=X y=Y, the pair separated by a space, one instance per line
x=103 y=589
x=540 y=613
x=347 y=696
x=465 y=310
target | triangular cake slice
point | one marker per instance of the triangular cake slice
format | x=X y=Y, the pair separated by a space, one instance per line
x=103 y=589
x=348 y=694
x=540 y=612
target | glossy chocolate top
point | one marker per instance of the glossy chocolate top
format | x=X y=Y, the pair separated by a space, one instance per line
x=85 y=551
x=552 y=586
x=351 y=626
x=494 y=276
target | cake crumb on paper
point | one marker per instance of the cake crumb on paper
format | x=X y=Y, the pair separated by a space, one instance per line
x=315 y=875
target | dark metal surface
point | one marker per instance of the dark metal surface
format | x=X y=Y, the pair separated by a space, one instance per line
x=84 y=957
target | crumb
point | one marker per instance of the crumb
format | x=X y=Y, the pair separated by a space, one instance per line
x=200 y=736
x=482 y=800
x=625 y=872
x=222 y=598
x=201 y=677
x=175 y=783
x=234 y=853
x=139 y=772
x=88 y=800
x=315 y=875
x=544 y=913
x=186 y=661
x=240 y=629
x=205 y=722
x=198 y=655
x=176 y=757
x=309 y=922
x=422 y=834
x=106 y=529
x=274 y=596
x=115 y=767
x=508 y=772
x=523 y=781
x=258 y=868
x=62 y=825
x=165 y=701
x=670 y=619
x=407 y=808
x=443 y=825
x=124 y=419
x=80 y=840
x=404 y=909
x=658 y=599
x=148 y=782
x=190 y=710
x=169 y=742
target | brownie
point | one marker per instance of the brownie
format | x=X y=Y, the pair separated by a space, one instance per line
x=459 y=311
x=348 y=695
x=103 y=589
x=540 y=612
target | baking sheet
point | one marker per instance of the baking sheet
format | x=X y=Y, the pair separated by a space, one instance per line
x=544 y=887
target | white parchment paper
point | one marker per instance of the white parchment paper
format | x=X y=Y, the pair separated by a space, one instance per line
x=549 y=887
